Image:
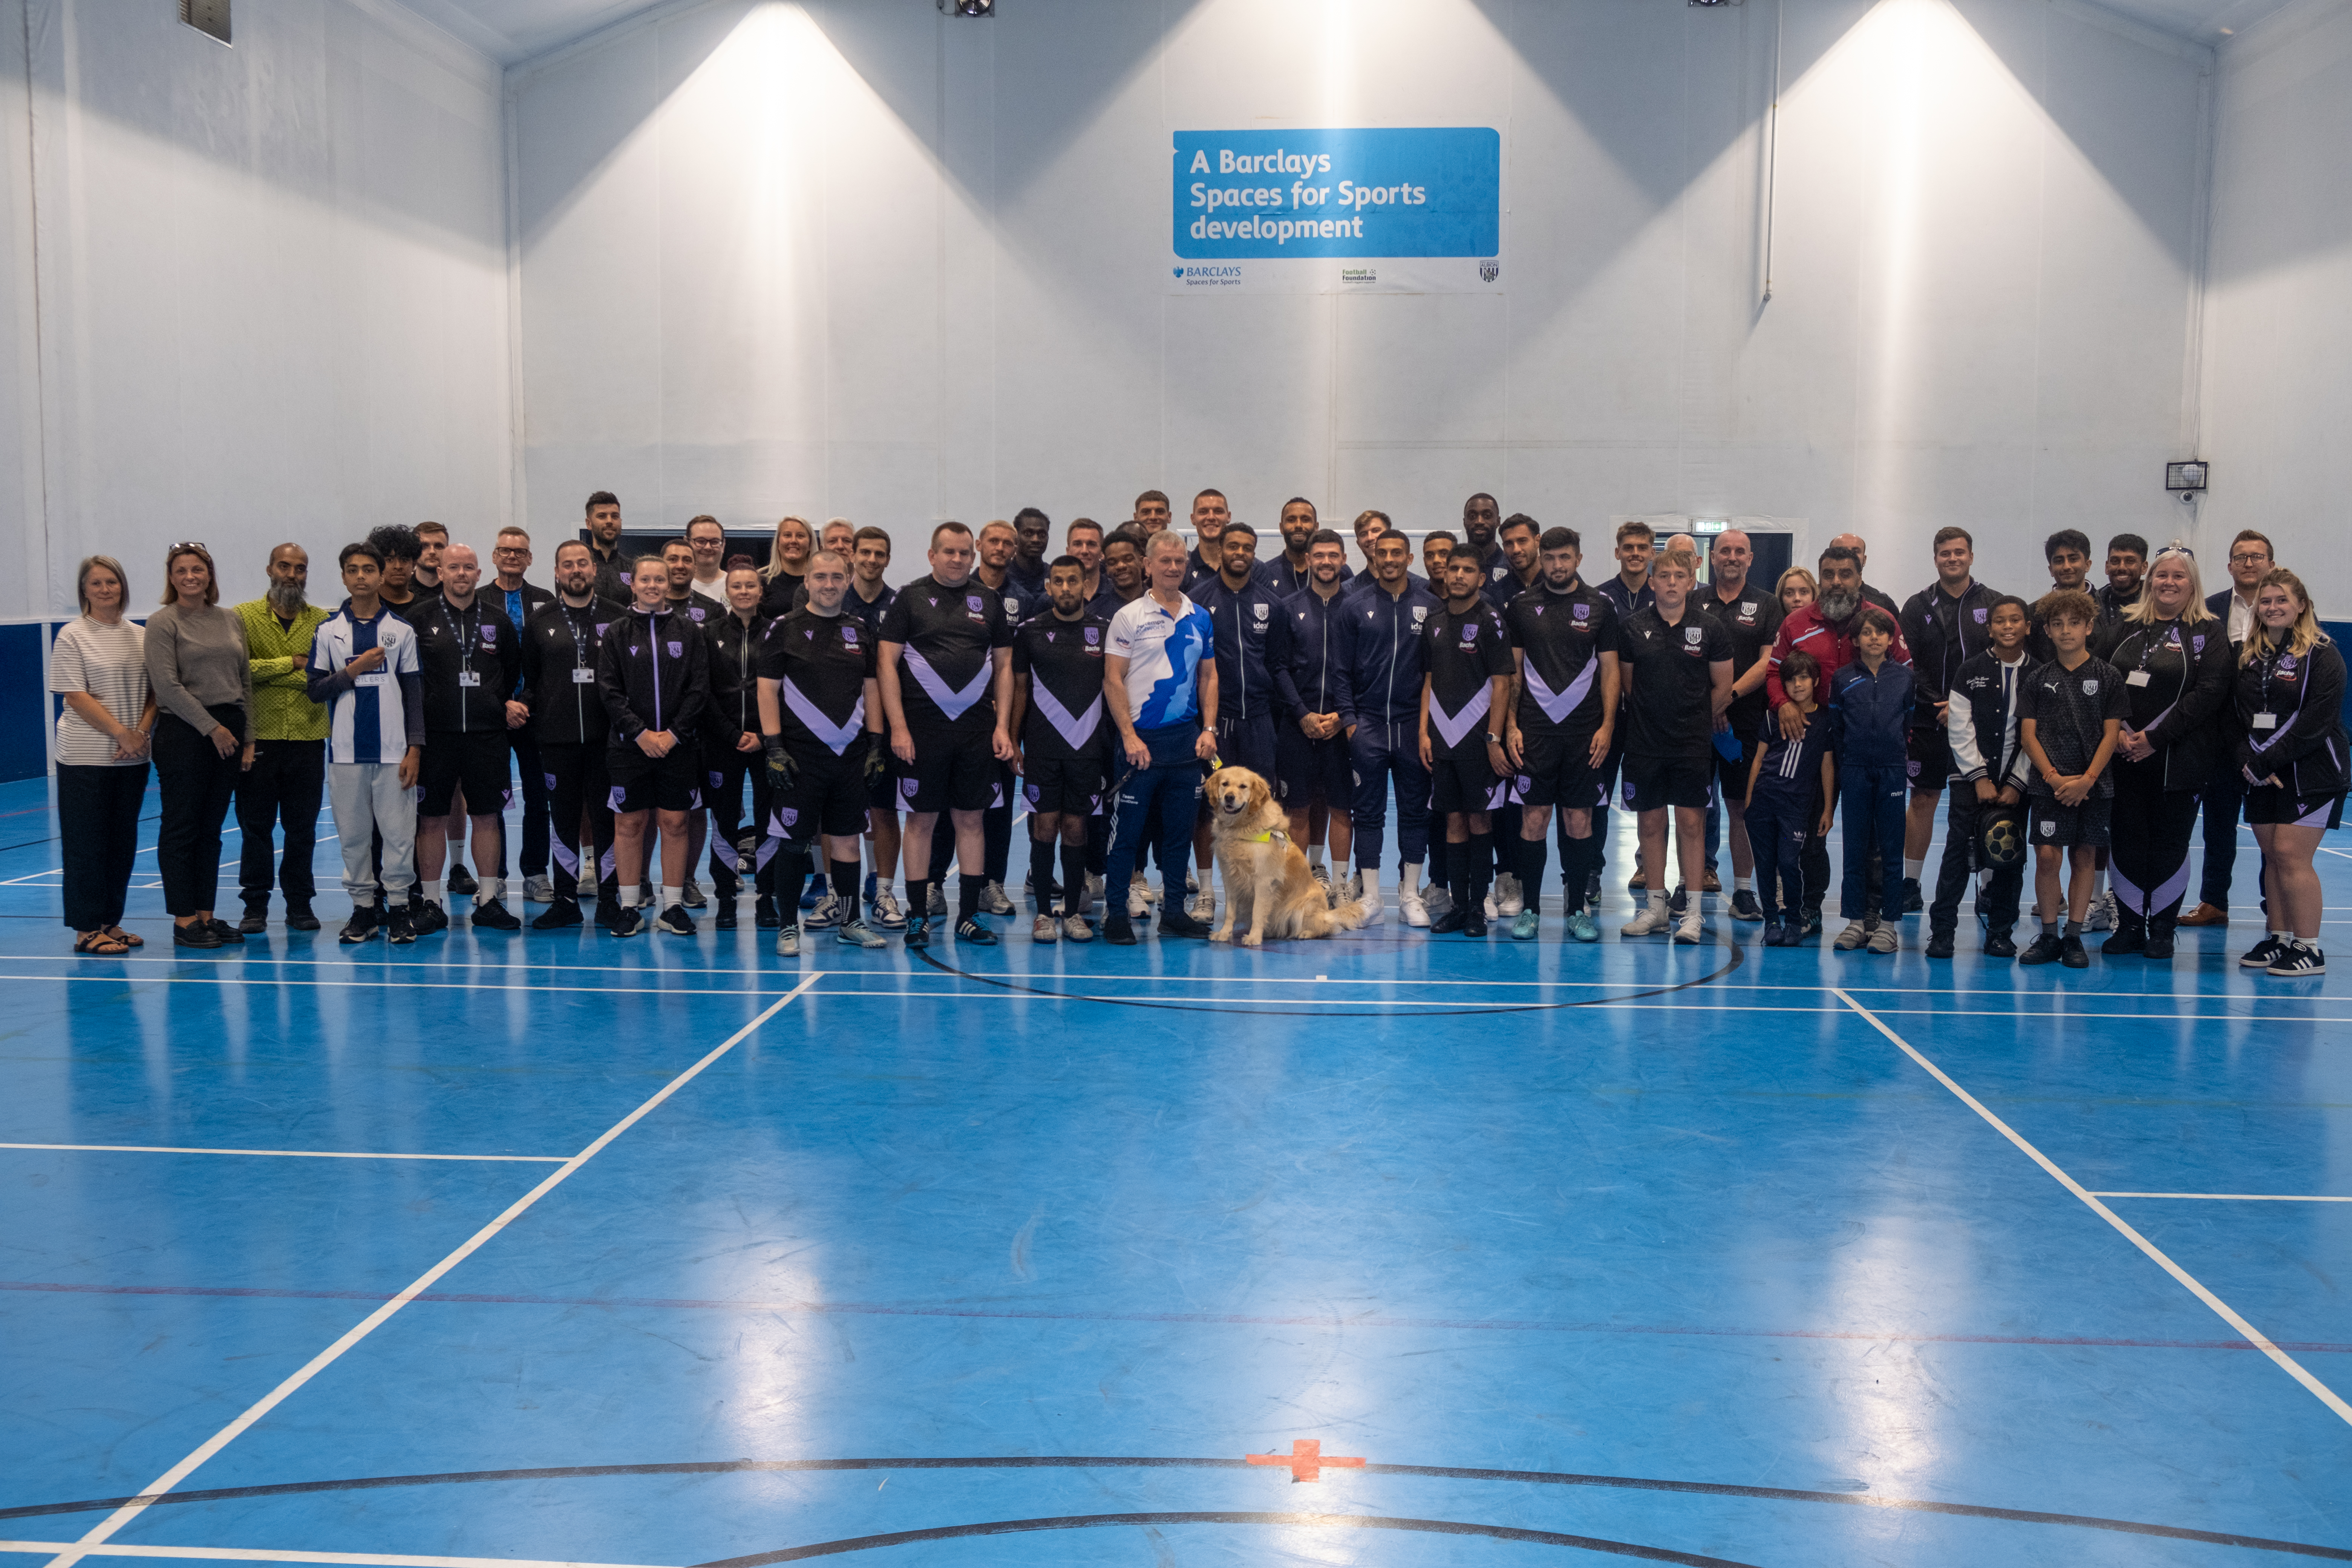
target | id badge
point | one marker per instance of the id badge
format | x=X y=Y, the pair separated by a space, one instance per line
x=469 y=678
x=374 y=678
x=583 y=677
x=2266 y=720
x=2137 y=677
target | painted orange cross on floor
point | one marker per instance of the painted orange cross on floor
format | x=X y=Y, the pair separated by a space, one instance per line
x=1306 y=1461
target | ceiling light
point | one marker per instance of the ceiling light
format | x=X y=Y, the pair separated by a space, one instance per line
x=967 y=7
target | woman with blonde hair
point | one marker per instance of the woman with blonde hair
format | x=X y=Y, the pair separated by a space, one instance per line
x=2290 y=701
x=1795 y=589
x=203 y=681
x=2174 y=655
x=99 y=664
x=787 y=564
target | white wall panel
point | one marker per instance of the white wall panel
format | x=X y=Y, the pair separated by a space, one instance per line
x=912 y=266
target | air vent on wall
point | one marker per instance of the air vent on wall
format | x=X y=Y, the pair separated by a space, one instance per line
x=209 y=18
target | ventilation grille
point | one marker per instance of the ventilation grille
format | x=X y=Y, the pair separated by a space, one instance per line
x=209 y=18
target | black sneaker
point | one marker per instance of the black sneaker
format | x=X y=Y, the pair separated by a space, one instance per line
x=493 y=913
x=1680 y=902
x=461 y=881
x=2071 y=953
x=1812 y=923
x=2046 y=949
x=426 y=917
x=257 y=919
x=2299 y=960
x=1999 y=944
x=1116 y=929
x=360 y=927
x=975 y=934
x=196 y=934
x=2259 y=956
x=1473 y=920
x=919 y=931
x=626 y=921
x=1911 y=902
x=724 y=918
x=1744 y=906
x=675 y=920
x=763 y=913
x=1445 y=924
x=2158 y=947
x=1176 y=922
x=400 y=922
x=1939 y=943
x=229 y=935
x=2130 y=936
x=607 y=910
x=300 y=917
x=562 y=912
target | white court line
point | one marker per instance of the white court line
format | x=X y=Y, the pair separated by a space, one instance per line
x=172 y=1477
x=2234 y=1197
x=286 y=1153
x=264 y=1555
x=2222 y=1309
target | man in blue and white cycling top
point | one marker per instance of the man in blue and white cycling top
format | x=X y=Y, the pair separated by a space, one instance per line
x=1159 y=679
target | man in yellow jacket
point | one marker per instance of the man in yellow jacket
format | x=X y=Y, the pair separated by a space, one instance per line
x=290 y=744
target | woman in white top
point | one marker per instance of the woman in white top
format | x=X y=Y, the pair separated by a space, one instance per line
x=99 y=664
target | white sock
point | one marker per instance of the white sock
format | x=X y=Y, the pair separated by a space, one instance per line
x=432 y=891
x=1658 y=898
x=1314 y=855
x=1743 y=884
x=629 y=897
x=1911 y=869
x=493 y=888
x=1408 y=879
x=1368 y=880
x=672 y=897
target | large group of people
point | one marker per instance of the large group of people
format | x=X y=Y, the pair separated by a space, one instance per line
x=1500 y=700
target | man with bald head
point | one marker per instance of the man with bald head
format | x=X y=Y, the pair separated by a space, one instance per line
x=288 y=775
x=470 y=659
x=1750 y=615
x=1870 y=595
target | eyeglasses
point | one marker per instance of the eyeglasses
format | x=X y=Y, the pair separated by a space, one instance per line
x=2244 y=558
x=195 y=544
x=509 y=549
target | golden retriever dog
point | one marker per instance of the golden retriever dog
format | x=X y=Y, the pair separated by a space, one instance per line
x=1267 y=884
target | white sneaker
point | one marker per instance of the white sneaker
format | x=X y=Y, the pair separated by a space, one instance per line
x=1886 y=939
x=1075 y=927
x=992 y=900
x=886 y=913
x=1648 y=920
x=1436 y=900
x=1486 y=902
x=936 y=905
x=538 y=890
x=2102 y=913
x=1201 y=906
x=1323 y=881
x=1369 y=901
x=1509 y=897
x=827 y=914
x=1138 y=900
x=1687 y=928
x=1857 y=933
x=1150 y=894
x=1414 y=908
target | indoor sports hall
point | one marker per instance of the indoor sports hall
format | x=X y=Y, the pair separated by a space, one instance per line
x=657 y=658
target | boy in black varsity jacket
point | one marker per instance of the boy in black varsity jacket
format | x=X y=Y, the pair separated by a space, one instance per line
x=1991 y=772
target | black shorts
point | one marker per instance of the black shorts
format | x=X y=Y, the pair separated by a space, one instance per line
x=2083 y=826
x=1462 y=781
x=1248 y=742
x=1559 y=770
x=2269 y=806
x=1307 y=771
x=951 y=772
x=1733 y=773
x=1930 y=760
x=828 y=795
x=1653 y=784
x=1055 y=785
x=473 y=759
x=640 y=782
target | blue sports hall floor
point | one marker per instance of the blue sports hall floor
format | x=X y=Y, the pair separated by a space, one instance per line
x=533 y=1249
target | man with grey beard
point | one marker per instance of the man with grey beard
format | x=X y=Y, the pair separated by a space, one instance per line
x=288 y=776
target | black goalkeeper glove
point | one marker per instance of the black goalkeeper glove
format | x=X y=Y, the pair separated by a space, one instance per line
x=781 y=775
x=878 y=761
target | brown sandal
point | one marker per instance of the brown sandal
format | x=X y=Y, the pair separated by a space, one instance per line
x=100 y=944
x=125 y=937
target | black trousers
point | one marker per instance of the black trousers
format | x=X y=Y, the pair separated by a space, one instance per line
x=2224 y=792
x=733 y=840
x=197 y=785
x=1964 y=824
x=285 y=786
x=2147 y=844
x=574 y=776
x=98 y=822
x=537 y=804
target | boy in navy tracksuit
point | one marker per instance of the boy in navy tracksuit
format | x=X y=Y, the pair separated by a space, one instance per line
x=1874 y=698
x=1790 y=786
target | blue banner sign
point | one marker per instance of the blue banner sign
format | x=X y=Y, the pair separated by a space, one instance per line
x=1259 y=194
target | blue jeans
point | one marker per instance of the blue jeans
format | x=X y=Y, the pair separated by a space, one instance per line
x=1168 y=792
x=1872 y=800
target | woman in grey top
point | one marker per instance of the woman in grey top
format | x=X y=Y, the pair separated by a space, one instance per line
x=203 y=680
x=98 y=666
